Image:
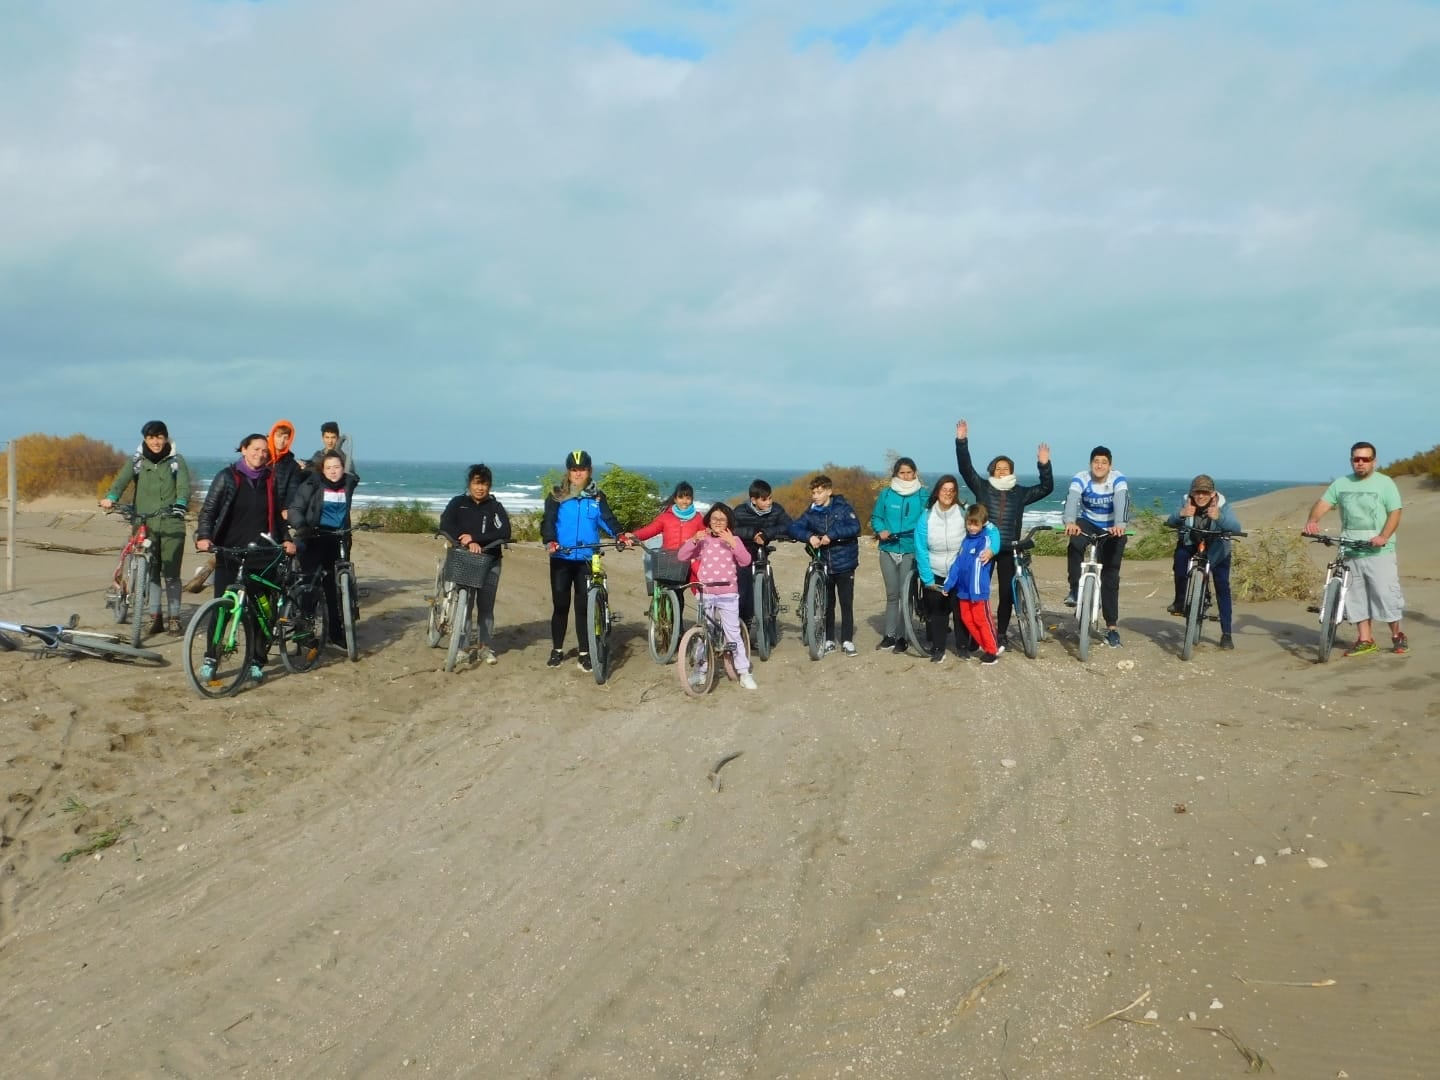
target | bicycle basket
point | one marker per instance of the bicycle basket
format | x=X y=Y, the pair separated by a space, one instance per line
x=666 y=569
x=466 y=568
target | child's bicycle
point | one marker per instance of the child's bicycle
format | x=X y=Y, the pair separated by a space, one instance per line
x=1026 y=596
x=1197 y=584
x=464 y=574
x=1337 y=584
x=598 y=616
x=138 y=568
x=704 y=647
x=669 y=576
x=267 y=600
x=1087 y=602
x=767 y=602
x=66 y=640
x=813 y=598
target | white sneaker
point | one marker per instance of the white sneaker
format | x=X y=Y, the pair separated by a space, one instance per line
x=1000 y=650
x=829 y=646
x=848 y=648
x=747 y=681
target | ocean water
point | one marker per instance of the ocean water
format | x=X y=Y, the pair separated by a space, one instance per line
x=518 y=486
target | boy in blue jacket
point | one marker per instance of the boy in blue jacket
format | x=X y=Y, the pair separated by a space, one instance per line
x=831 y=526
x=1204 y=507
x=969 y=580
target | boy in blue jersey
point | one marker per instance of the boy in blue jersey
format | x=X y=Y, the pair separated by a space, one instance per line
x=1098 y=502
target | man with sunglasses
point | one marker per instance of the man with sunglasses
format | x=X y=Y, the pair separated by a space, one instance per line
x=1370 y=506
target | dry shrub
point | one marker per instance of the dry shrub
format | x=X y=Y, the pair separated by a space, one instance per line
x=859 y=486
x=51 y=465
x=1424 y=464
x=1274 y=564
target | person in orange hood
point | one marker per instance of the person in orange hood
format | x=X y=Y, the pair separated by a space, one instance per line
x=283 y=463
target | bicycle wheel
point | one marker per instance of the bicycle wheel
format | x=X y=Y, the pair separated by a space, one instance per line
x=1027 y=613
x=120 y=603
x=1085 y=614
x=663 y=637
x=302 y=629
x=104 y=646
x=815 y=615
x=211 y=628
x=459 y=628
x=1330 y=615
x=6 y=644
x=696 y=666
x=440 y=599
x=139 y=600
x=912 y=613
x=345 y=587
x=761 y=593
x=597 y=622
x=1194 y=602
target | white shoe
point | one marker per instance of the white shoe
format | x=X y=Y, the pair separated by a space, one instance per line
x=829 y=646
x=1000 y=650
x=747 y=681
x=848 y=648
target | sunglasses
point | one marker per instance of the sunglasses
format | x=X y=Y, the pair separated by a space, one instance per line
x=1363 y=459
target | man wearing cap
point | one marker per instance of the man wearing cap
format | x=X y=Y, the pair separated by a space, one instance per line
x=1370 y=508
x=1204 y=507
x=1098 y=502
x=575 y=512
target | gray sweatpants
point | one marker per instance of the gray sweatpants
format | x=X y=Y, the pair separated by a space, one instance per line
x=894 y=567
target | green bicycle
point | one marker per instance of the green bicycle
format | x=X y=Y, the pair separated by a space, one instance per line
x=669 y=575
x=268 y=603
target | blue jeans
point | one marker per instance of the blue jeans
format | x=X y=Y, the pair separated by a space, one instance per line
x=1219 y=576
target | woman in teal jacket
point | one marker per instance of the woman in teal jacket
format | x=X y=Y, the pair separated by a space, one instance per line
x=897 y=511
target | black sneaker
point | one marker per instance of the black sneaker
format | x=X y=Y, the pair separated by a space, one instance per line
x=901 y=645
x=584 y=661
x=937 y=656
x=1112 y=638
x=1176 y=609
x=1226 y=641
x=556 y=658
x=886 y=642
x=1070 y=600
x=989 y=658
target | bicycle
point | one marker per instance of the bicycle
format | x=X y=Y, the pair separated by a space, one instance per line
x=598 y=616
x=346 y=591
x=767 y=602
x=55 y=640
x=1337 y=584
x=1197 y=584
x=1087 y=603
x=138 y=568
x=464 y=574
x=1025 y=595
x=261 y=602
x=912 y=608
x=813 y=600
x=669 y=575
x=704 y=647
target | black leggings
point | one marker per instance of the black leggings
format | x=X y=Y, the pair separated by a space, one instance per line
x=840 y=587
x=1004 y=564
x=941 y=612
x=568 y=577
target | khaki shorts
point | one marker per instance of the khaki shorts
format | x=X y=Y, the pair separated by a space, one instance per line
x=1374 y=589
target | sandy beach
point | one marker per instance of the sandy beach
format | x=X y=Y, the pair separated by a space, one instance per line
x=380 y=870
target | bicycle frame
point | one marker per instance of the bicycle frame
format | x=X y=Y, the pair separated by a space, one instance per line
x=814 y=600
x=1337 y=571
x=1090 y=571
x=1032 y=626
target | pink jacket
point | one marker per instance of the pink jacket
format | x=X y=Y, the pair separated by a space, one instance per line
x=715 y=561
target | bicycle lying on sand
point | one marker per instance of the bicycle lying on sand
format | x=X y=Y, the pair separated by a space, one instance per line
x=1337 y=584
x=138 y=569
x=66 y=640
x=1196 y=607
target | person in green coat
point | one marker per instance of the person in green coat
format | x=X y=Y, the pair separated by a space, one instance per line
x=161 y=479
x=898 y=509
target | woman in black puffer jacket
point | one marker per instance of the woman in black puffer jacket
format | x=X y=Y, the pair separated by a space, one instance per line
x=1005 y=499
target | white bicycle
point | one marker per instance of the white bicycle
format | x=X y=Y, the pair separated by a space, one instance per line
x=1337 y=584
x=1087 y=593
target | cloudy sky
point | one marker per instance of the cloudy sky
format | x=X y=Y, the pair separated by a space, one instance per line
x=749 y=232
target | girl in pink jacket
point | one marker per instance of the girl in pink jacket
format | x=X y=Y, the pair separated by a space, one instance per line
x=718 y=554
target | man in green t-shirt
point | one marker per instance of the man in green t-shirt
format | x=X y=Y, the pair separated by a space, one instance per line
x=1369 y=505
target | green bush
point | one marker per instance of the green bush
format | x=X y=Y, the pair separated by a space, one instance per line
x=1273 y=564
x=525 y=525
x=1426 y=464
x=411 y=517
x=633 y=496
x=1151 y=539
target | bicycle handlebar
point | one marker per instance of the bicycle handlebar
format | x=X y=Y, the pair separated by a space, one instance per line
x=309 y=532
x=599 y=544
x=1026 y=542
x=1218 y=534
x=1344 y=543
x=128 y=512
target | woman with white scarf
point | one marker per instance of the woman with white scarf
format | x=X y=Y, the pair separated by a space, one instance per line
x=893 y=521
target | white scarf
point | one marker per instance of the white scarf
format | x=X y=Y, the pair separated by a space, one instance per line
x=904 y=487
x=1003 y=483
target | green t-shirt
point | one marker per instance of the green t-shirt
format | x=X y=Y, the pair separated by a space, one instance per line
x=1364 y=506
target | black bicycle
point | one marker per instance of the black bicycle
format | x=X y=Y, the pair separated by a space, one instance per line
x=767 y=602
x=598 y=616
x=1026 y=596
x=813 y=599
x=1197 y=583
x=346 y=591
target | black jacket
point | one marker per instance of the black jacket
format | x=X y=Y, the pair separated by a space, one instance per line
x=775 y=525
x=1006 y=508
x=309 y=497
x=210 y=523
x=485 y=521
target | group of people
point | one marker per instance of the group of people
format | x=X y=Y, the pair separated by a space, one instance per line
x=960 y=553
x=265 y=491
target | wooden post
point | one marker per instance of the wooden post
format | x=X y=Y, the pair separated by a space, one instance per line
x=10 y=518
